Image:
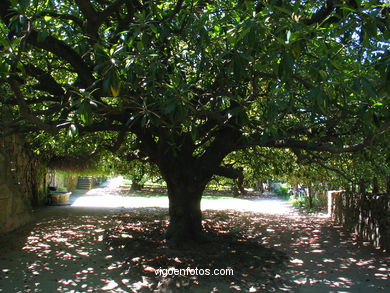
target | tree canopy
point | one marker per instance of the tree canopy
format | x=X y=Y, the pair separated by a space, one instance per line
x=185 y=83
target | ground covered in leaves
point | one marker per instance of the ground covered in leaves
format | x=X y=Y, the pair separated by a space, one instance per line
x=245 y=264
x=123 y=250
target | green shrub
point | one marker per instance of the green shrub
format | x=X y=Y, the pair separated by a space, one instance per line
x=62 y=189
x=302 y=201
x=283 y=192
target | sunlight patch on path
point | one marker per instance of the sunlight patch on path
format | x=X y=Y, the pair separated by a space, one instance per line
x=102 y=198
x=274 y=206
x=115 y=182
x=111 y=195
x=267 y=206
x=117 y=201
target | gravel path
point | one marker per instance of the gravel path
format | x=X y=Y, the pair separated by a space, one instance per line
x=64 y=249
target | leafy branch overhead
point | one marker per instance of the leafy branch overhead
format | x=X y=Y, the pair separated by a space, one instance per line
x=199 y=79
x=166 y=60
x=183 y=84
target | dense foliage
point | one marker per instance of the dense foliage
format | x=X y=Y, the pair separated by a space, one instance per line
x=185 y=83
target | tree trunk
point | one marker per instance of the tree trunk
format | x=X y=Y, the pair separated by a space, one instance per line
x=362 y=186
x=240 y=183
x=185 y=224
x=136 y=185
x=185 y=190
x=388 y=184
x=375 y=185
x=259 y=186
x=310 y=195
x=186 y=176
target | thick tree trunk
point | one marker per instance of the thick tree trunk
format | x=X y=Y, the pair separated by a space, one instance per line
x=187 y=175
x=185 y=189
x=185 y=226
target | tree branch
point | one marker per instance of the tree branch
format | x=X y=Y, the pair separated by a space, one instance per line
x=120 y=139
x=26 y=112
x=87 y=9
x=46 y=81
x=94 y=18
x=326 y=147
x=228 y=172
x=319 y=160
x=65 y=52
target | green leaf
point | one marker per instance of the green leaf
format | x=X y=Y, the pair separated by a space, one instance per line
x=368 y=88
x=194 y=133
x=319 y=98
x=286 y=66
x=296 y=49
x=282 y=9
x=170 y=106
x=85 y=112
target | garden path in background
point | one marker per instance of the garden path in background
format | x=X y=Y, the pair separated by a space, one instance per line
x=270 y=246
x=113 y=195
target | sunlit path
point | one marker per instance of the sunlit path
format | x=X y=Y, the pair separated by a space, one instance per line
x=274 y=206
x=109 y=196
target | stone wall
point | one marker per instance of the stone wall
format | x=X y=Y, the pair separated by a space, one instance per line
x=71 y=182
x=22 y=183
x=364 y=214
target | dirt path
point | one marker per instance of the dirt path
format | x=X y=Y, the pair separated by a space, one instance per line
x=117 y=249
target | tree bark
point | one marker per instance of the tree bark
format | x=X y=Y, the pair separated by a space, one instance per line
x=375 y=185
x=240 y=183
x=310 y=195
x=136 y=185
x=362 y=186
x=185 y=189
x=185 y=226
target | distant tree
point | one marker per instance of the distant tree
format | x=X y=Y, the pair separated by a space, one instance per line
x=189 y=82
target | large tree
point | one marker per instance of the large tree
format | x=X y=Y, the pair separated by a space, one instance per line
x=189 y=82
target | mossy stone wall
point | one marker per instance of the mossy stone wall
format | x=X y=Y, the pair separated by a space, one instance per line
x=22 y=183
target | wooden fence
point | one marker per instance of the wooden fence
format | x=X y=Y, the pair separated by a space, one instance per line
x=364 y=214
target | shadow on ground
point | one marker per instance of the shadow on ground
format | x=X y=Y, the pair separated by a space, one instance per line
x=125 y=252
x=71 y=249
